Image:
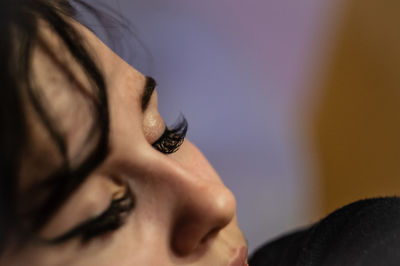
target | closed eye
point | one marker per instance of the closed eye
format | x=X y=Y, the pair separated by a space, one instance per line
x=109 y=220
x=172 y=138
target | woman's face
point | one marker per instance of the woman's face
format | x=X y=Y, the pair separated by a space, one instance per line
x=182 y=213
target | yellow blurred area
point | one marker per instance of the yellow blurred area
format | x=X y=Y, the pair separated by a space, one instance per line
x=356 y=126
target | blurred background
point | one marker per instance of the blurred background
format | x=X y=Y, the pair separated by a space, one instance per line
x=295 y=103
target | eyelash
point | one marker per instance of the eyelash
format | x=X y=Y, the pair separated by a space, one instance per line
x=110 y=220
x=172 y=138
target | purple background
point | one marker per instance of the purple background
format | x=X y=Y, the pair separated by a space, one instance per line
x=240 y=71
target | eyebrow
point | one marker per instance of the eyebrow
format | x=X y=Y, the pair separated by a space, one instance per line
x=148 y=90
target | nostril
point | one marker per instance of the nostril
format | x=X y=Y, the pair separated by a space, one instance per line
x=191 y=234
x=212 y=234
x=186 y=238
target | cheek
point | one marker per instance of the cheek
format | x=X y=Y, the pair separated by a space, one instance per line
x=133 y=244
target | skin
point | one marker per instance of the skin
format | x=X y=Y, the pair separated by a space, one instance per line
x=183 y=214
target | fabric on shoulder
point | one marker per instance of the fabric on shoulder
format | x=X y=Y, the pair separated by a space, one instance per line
x=364 y=233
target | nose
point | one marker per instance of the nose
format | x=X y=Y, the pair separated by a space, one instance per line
x=204 y=209
x=202 y=204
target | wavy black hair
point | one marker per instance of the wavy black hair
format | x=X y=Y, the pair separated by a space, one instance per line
x=19 y=30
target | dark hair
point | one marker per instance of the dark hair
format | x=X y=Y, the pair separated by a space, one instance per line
x=18 y=34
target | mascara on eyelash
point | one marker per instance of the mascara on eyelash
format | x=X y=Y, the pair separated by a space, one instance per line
x=111 y=219
x=172 y=138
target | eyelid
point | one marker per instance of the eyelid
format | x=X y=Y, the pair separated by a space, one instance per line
x=172 y=138
x=82 y=229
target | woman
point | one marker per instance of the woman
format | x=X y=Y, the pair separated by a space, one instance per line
x=90 y=175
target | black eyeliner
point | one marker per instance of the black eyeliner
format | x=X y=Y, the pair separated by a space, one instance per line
x=149 y=88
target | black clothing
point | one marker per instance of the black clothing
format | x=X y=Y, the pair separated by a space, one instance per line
x=364 y=233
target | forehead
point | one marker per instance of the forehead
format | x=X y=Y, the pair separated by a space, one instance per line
x=64 y=94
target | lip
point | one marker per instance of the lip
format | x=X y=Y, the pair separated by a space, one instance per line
x=241 y=258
